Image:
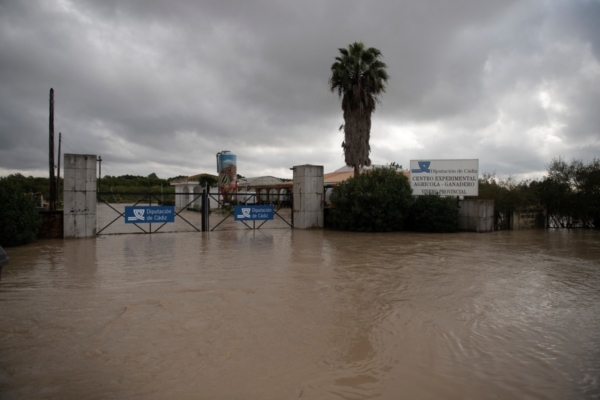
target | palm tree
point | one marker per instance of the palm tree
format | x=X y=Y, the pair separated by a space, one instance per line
x=359 y=76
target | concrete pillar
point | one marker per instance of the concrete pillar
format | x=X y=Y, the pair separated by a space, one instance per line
x=308 y=196
x=79 y=195
x=476 y=215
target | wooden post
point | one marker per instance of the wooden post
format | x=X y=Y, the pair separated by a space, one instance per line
x=52 y=198
x=58 y=169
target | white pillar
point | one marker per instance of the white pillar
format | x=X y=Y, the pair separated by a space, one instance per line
x=308 y=196
x=79 y=196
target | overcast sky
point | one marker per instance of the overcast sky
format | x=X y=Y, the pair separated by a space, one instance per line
x=162 y=86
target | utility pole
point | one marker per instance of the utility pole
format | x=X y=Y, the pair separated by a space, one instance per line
x=52 y=199
x=58 y=170
x=99 y=159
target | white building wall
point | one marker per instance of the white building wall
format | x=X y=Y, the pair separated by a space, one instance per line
x=187 y=192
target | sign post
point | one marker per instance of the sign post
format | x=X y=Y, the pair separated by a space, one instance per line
x=444 y=177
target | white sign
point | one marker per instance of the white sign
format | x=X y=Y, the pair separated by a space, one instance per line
x=444 y=177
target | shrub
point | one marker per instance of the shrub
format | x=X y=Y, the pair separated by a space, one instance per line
x=19 y=220
x=374 y=201
x=433 y=214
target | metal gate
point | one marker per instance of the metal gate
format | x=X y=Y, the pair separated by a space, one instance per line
x=110 y=216
x=222 y=218
x=190 y=217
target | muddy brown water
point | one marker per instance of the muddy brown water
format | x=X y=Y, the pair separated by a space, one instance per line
x=283 y=314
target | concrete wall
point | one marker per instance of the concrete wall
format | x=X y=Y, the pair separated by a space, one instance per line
x=79 y=196
x=476 y=215
x=534 y=217
x=308 y=196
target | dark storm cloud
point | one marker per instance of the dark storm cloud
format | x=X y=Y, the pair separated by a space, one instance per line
x=158 y=86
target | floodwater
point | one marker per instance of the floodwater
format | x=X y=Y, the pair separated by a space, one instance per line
x=286 y=314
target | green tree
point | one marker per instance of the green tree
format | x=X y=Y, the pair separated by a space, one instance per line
x=509 y=196
x=433 y=213
x=375 y=201
x=29 y=184
x=359 y=77
x=588 y=185
x=571 y=193
x=19 y=220
x=207 y=180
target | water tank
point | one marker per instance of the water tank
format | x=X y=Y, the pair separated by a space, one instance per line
x=227 y=168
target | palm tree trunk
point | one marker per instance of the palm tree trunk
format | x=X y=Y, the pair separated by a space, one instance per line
x=356 y=140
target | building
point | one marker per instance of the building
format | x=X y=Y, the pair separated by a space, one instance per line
x=188 y=191
x=256 y=190
x=265 y=190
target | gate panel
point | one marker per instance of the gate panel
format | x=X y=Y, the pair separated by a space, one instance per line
x=111 y=215
x=221 y=217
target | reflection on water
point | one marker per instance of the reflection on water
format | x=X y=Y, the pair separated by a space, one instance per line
x=304 y=314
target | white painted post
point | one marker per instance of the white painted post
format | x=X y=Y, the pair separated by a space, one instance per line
x=79 y=196
x=308 y=196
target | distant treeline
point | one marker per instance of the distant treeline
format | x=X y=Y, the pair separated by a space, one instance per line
x=128 y=181
x=124 y=188
x=120 y=185
x=28 y=185
x=570 y=192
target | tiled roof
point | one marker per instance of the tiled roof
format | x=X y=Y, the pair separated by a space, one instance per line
x=341 y=175
x=337 y=177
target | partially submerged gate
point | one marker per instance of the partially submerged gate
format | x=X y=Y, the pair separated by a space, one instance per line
x=198 y=212
x=223 y=217
x=111 y=214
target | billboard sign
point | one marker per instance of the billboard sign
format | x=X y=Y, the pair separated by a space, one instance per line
x=149 y=214
x=444 y=177
x=253 y=213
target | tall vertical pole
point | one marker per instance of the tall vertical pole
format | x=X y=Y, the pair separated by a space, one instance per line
x=52 y=199
x=150 y=204
x=58 y=169
x=219 y=180
x=99 y=159
x=203 y=211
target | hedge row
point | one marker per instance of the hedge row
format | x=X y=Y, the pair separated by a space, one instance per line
x=380 y=200
x=19 y=219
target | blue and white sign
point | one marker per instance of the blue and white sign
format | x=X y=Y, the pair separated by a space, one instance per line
x=253 y=213
x=149 y=214
x=444 y=177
